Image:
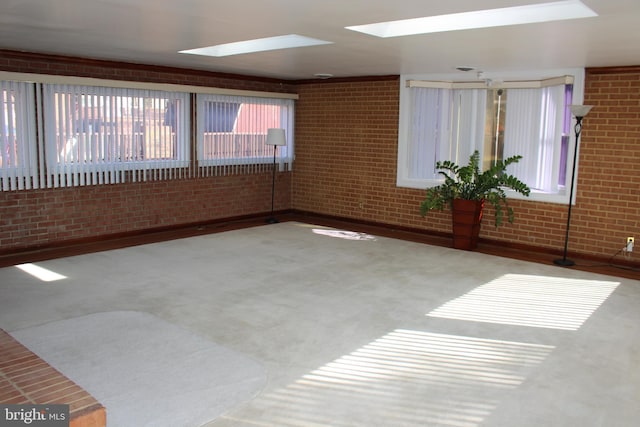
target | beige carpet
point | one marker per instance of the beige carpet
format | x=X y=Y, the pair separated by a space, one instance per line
x=145 y=371
x=361 y=330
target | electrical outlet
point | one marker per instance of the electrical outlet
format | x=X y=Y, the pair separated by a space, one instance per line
x=629 y=247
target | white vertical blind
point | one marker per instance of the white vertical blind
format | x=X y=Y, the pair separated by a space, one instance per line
x=18 y=159
x=231 y=133
x=59 y=133
x=522 y=129
x=99 y=135
x=447 y=124
x=550 y=153
x=429 y=131
x=468 y=122
x=533 y=129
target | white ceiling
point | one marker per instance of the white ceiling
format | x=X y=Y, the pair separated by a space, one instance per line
x=153 y=31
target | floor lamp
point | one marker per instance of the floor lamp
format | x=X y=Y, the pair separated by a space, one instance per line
x=275 y=137
x=579 y=111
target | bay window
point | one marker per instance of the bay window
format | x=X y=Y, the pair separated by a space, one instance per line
x=448 y=120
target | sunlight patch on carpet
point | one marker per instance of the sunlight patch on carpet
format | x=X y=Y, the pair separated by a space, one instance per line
x=343 y=234
x=144 y=370
x=405 y=378
x=41 y=273
x=529 y=300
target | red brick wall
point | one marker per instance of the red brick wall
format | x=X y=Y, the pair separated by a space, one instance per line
x=346 y=144
x=346 y=147
x=346 y=141
x=609 y=181
x=49 y=216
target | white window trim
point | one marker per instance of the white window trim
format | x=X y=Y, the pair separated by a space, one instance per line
x=283 y=158
x=127 y=84
x=498 y=79
x=23 y=176
x=53 y=174
x=62 y=172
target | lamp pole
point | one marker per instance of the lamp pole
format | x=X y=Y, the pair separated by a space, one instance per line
x=579 y=111
x=272 y=219
x=275 y=137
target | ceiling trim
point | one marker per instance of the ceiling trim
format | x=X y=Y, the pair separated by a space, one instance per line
x=167 y=87
x=489 y=84
x=106 y=63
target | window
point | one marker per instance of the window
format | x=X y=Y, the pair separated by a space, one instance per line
x=232 y=131
x=445 y=120
x=61 y=131
x=97 y=135
x=18 y=157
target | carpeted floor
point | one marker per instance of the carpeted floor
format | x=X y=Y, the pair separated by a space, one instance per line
x=144 y=370
x=361 y=330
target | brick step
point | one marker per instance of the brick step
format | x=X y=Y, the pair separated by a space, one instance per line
x=27 y=379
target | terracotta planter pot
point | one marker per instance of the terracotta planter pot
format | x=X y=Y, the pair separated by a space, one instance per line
x=466 y=217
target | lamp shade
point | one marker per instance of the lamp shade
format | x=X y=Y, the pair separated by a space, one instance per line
x=276 y=136
x=580 y=110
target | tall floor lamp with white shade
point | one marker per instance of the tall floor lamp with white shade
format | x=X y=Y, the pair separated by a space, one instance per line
x=579 y=111
x=275 y=137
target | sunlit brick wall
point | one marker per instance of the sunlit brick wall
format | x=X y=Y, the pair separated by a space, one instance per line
x=44 y=217
x=346 y=148
x=608 y=198
x=346 y=166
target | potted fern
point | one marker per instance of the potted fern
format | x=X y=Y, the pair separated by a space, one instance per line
x=466 y=189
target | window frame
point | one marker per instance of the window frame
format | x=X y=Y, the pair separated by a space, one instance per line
x=404 y=126
x=56 y=166
x=23 y=175
x=284 y=154
x=46 y=175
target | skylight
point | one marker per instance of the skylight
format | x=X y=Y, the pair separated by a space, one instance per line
x=257 y=45
x=517 y=15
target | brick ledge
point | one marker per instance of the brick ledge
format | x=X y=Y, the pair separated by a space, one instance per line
x=27 y=379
